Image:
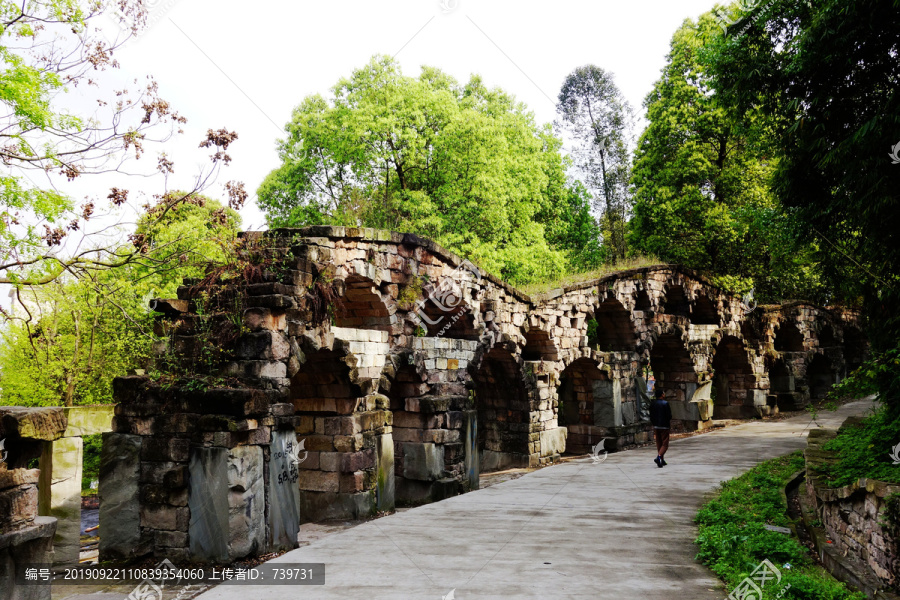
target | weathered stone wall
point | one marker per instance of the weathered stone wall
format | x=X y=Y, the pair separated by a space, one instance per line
x=25 y=537
x=854 y=517
x=404 y=371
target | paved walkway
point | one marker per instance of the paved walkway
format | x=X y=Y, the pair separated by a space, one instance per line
x=621 y=529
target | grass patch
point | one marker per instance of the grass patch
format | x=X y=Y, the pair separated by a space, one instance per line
x=733 y=539
x=864 y=450
x=567 y=279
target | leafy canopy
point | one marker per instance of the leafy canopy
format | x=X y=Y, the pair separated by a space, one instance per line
x=702 y=180
x=463 y=164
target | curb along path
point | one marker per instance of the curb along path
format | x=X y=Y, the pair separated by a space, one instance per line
x=622 y=529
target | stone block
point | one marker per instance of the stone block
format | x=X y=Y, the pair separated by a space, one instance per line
x=208 y=503
x=424 y=462
x=246 y=502
x=120 y=524
x=88 y=420
x=62 y=460
x=319 y=481
x=283 y=493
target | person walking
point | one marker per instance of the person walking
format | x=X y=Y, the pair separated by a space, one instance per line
x=661 y=419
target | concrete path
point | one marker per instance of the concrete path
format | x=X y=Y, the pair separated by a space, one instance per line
x=621 y=529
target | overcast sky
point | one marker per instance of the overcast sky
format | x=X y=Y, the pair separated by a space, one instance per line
x=245 y=65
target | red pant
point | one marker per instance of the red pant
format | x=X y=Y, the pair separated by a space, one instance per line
x=662 y=441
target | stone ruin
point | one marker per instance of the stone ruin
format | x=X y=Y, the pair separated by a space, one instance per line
x=342 y=371
x=25 y=537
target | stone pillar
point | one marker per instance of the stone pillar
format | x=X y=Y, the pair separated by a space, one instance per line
x=473 y=461
x=208 y=503
x=283 y=492
x=25 y=538
x=61 y=466
x=384 y=477
x=120 y=509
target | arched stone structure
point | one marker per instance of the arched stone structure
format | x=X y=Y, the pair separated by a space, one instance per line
x=424 y=370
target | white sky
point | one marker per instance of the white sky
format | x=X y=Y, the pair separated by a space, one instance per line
x=215 y=59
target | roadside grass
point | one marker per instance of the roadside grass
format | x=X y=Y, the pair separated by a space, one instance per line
x=733 y=539
x=865 y=450
x=567 y=279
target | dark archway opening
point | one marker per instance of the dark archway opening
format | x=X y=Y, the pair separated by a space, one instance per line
x=827 y=338
x=733 y=381
x=586 y=405
x=677 y=302
x=457 y=323
x=704 y=312
x=539 y=346
x=323 y=385
x=782 y=386
x=820 y=375
x=788 y=338
x=673 y=369
x=502 y=407
x=642 y=301
x=615 y=329
x=855 y=348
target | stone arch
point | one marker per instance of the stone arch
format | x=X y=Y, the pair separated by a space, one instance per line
x=676 y=301
x=362 y=306
x=704 y=311
x=615 y=329
x=788 y=337
x=324 y=384
x=586 y=405
x=733 y=382
x=539 y=346
x=674 y=371
x=502 y=407
x=820 y=376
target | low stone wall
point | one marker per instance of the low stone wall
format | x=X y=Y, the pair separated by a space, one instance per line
x=853 y=517
x=25 y=538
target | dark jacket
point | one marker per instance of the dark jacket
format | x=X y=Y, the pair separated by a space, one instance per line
x=660 y=414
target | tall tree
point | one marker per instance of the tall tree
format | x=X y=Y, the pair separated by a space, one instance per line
x=595 y=114
x=463 y=164
x=826 y=75
x=702 y=182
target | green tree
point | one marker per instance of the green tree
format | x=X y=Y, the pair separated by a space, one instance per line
x=66 y=340
x=597 y=117
x=702 y=182
x=826 y=76
x=463 y=164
